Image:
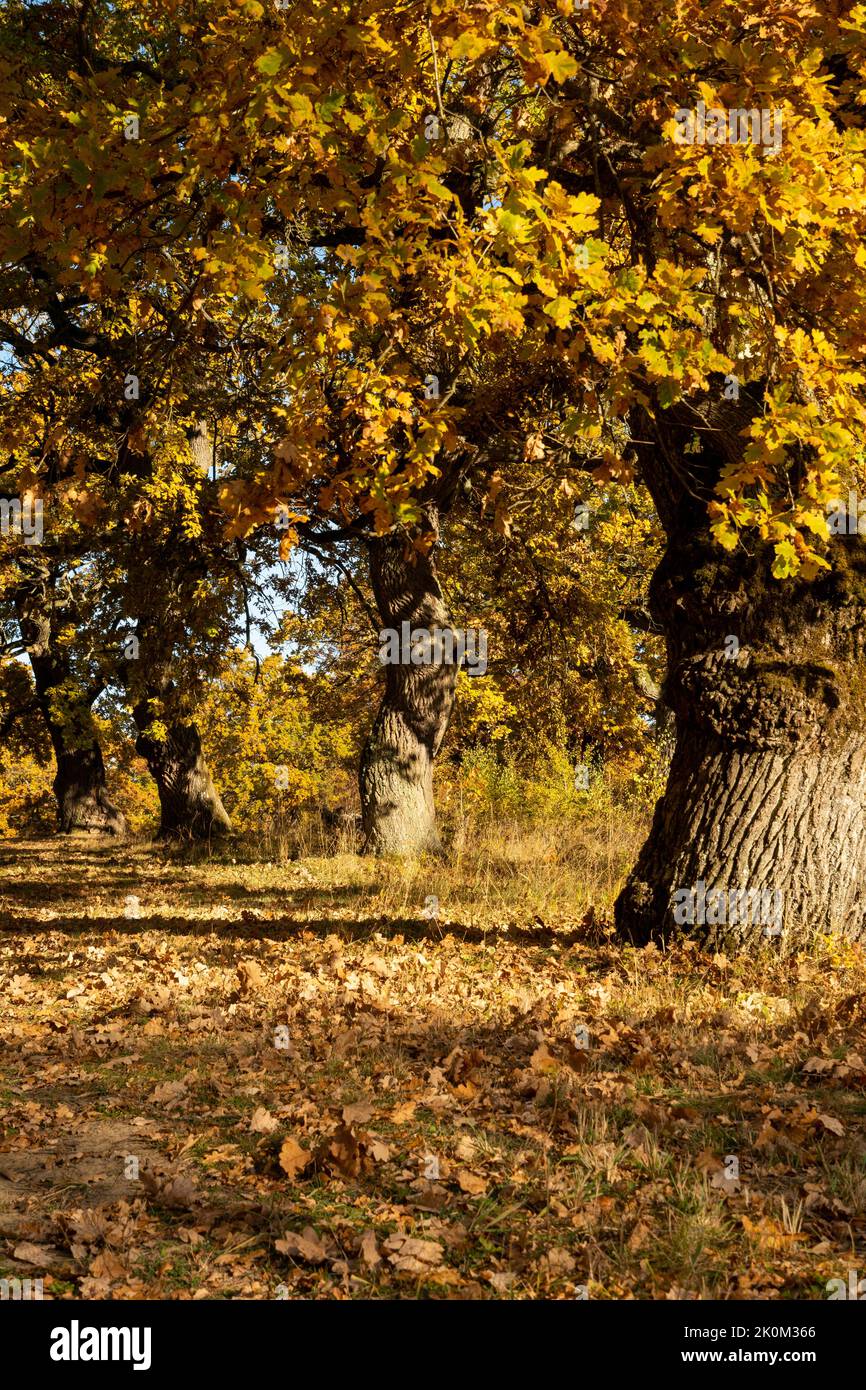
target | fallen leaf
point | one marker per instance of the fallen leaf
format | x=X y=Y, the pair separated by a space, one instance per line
x=343 y=1151
x=543 y=1060
x=401 y=1114
x=263 y=1121
x=471 y=1182
x=830 y=1122
x=107 y=1265
x=169 y=1094
x=293 y=1159
x=358 y=1113
x=308 y=1246
x=34 y=1254
x=409 y=1255
x=369 y=1253
x=558 y=1261
x=250 y=975
x=169 y=1190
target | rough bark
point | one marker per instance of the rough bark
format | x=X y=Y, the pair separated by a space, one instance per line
x=190 y=805
x=201 y=447
x=767 y=788
x=396 y=774
x=82 y=798
x=79 y=784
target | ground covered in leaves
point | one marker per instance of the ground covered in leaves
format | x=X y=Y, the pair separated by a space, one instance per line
x=231 y=1080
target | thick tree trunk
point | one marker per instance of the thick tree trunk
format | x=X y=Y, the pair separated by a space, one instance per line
x=79 y=783
x=190 y=805
x=396 y=775
x=761 y=832
x=79 y=786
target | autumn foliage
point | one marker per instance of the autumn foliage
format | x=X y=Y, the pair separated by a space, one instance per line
x=327 y=324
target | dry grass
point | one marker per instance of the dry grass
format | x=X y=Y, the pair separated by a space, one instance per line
x=495 y=868
x=559 y=1168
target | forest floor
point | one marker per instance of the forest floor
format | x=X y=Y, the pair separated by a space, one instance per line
x=270 y=1083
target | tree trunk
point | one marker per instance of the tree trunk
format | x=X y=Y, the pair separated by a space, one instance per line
x=79 y=786
x=79 y=783
x=761 y=832
x=190 y=805
x=396 y=775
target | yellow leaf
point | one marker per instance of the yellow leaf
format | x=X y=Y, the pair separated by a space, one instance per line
x=471 y=1183
x=559 y=310
x=293 y=1159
